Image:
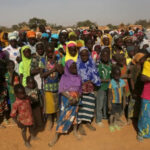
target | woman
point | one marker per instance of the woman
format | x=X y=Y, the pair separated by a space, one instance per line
x=137 y=85
x=90 y=78
x=144 y=118
x=70 y=89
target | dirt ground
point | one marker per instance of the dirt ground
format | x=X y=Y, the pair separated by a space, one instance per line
x=101 y=139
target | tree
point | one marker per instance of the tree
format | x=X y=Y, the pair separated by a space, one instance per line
x=85 y=23
x=22 y=24
x=143 y=22
x=15 y=27
x=35 y=22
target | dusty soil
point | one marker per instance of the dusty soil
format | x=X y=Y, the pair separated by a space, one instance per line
x=101 y=139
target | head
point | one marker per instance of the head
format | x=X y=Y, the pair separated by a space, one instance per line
x=120 y=59
x=72 y=36
x=106 y=41
x=20 y=91
x=131 y=51
x=73 y=68
x=31 y=83
x=139 y=58
x=50 y=52
x=116 y=73
x=84 y=53
x=72 y=48
x=13 y=43
x=97 y=48
x=40 y=48
x=62 y=38
x=32 y=41
x=119 y=42
x=89 y=43
x=105 y=55
x=10 y=66
x=27 y=53
x=42 y=28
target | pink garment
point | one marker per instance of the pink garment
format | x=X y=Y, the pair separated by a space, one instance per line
x=95 y=56
x=146 y=91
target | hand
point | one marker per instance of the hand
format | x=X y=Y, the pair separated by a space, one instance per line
x=73 y=101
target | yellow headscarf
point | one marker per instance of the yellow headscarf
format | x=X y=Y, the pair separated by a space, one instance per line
x=68 y=56
x=146 y=68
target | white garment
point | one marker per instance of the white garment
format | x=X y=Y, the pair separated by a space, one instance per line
x=12 y=54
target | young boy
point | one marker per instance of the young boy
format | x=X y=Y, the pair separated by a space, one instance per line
x=105 y=74
x=22 y=113
x=116 y=98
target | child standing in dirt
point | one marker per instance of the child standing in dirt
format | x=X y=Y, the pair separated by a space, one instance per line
x=22 y=113
x=116 y=98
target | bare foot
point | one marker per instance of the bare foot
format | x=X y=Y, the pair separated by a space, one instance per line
x=54 y=141
x=28 y=145
x=78 y=136
x=81 y=130
x=88 y=125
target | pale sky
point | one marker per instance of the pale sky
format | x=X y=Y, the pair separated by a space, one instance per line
x=68 y=12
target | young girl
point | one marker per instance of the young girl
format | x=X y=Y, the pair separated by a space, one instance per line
x=22 y=113
x=116 y=98
x=50 y=73
x=90 y=78
x=70 y=89
x=12 y=79
x=33 y=94
x=105 y=74
x=24 y=66
x=96 y=53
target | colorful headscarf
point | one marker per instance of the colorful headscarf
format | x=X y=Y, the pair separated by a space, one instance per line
x=69 y=82
x=54 y=36
x=45 y=35
x=68 y=56
x=137 y=58
x=88 y=70
x=72 y=34
x=26 y=65
x=3 y=40
x=31 y=34
x=80 y=43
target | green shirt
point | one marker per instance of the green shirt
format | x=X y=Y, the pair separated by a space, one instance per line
x=105 y=74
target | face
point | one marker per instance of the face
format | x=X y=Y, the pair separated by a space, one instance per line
x=73 y=69
x=31 y=84
x=21 y=93
x=50 y=53
x=27 y=53
x=117 y=75
x=105 y=57
x=142 y=60
x=98 y=49
x=120 y=42
x=54 y=41
x=62 y=39
x=10 y=66
x=89 y=44
x=72 y=51
x=13 y=43
x=73 y=38
x=40 y=49
x=84 y=55
x=106 y=41
x=32 y=41
x=131 y=53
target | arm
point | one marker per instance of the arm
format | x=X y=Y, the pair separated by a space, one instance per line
x=35 y=71
x=124 y=98
x=145 y=78
x=46 y=74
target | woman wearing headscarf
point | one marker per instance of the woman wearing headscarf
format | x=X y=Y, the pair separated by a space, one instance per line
x=90 y=78
x=70 y=90
x=135 y=69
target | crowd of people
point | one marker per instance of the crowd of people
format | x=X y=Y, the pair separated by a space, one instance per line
x=74 y=77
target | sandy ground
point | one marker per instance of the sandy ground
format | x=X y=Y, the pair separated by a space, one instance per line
x=101 y=139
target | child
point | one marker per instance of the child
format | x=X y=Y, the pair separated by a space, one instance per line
x=50 y=73
x=70 y=89
x=22 y=113
x=90 y=78
x=24 y=66
x=12 y=79
x=96 y=53
x=33 y=93
x=105 y=74
x=116 y=98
